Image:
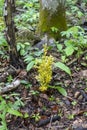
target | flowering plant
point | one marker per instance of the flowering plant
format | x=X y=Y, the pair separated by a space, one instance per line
x=44 y=67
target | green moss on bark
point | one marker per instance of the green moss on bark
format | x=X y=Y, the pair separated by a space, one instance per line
x=49 y=20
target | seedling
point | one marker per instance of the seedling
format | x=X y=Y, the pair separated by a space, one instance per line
x=9 y=78
x=71 y=116
x=36 y=117
x=74 y=103
x=51 y=98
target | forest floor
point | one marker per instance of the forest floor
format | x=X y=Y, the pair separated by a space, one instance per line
x=51 y=110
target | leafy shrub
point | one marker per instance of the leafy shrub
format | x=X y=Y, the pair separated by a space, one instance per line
x=76 y=41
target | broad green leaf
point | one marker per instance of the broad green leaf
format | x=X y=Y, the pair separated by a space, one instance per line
x=59 y=47
x=30 y=65
x=38 y=53
x=27 y=43
x=61 y=90
x=18 y=47
x=26 y=115
x=69 y=50
x=24 y=82
x=28 y=59
x=80 y=14
x=14 y=112
x=22 y=52
x=63 y=58
x=63 y=67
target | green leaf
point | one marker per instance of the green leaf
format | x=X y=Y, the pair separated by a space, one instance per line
x=26 y=115
x=14 y=112
x=59 y=47
x=61 y=90
x=30 y=65
x=28 y=58
x=69 y=50
x=63 y=67
x=18 y=47
x=38 y=53
x=24 y=82
x=22 y=52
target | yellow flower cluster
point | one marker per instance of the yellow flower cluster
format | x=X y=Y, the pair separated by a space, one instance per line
x=45 y=70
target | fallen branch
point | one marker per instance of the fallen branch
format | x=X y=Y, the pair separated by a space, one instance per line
x=10 y=87
x=46 y=121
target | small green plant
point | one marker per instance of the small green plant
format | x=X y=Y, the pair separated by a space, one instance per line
x=3 y=46
x=9 y=108
x=76 y=41
x=71 y=116
x=44 y=108
x=60 y=113
x=52 y=98
x=29 y=17
x=44 y=68
x=9 y=78
x=74 y=103
x=26 y=84
x=23 y=48
x=30 y=60
x=55 y=30
x=36 y=117
x=31 y=57
x=63 y=67
x=3 y=111
x=60 y=89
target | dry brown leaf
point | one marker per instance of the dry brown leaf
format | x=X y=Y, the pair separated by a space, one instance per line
x=83 y=73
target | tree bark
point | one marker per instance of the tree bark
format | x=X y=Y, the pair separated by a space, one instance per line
x=52 y=14
x=9 y=9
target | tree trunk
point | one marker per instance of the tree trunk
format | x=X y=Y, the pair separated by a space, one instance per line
x=9 y=9
x=52 y=14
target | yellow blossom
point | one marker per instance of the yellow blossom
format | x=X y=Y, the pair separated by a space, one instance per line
x=44 y=67
x=43 y=88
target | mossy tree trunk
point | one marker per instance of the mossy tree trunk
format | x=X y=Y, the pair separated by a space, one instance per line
x=52 y=14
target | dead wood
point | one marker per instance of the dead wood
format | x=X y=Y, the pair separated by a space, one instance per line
x=10 y=87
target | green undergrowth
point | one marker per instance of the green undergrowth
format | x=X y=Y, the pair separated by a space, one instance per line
x=74 y=43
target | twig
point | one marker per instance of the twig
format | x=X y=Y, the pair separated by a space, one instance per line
x=46 y=121
x=21 y=10
x=74 y=60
